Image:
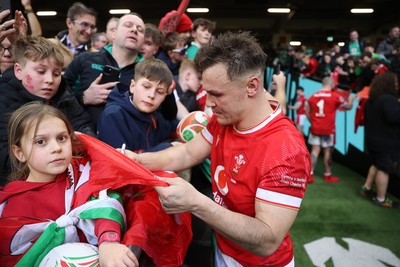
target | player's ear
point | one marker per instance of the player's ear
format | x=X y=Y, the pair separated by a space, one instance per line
x=252 y=86
x=18 y=153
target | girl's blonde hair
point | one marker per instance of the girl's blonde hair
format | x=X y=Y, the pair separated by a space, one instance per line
x=28 y=116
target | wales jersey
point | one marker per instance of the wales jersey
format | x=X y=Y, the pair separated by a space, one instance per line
x=302 y=99
x=270 y=163
x=323 y=105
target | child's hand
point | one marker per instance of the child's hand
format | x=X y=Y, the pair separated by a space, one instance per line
x=114 y=254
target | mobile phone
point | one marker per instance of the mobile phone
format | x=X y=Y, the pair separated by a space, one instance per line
x=277 y=69
x=110 y=74
x=6 y=4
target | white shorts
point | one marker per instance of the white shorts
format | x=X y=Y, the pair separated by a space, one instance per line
x=223 y=260
x=321 y=140
x=301 y=119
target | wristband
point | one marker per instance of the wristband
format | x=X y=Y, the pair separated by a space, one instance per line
x=109 y=237
x=28 y=10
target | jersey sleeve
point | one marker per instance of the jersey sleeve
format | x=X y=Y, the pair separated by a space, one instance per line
x=285 y=172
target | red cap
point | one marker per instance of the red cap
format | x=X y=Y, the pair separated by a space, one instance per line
x=167 y=23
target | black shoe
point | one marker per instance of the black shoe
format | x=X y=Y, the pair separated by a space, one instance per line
x=368 y=193
x=386 y=204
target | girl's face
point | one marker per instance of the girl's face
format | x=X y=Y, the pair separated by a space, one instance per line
x=41 y=78
x=147 y=95
x=48 y=152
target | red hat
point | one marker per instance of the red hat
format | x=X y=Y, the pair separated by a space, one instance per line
x=167 y=24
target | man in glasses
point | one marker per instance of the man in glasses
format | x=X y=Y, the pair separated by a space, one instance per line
x=81 y=22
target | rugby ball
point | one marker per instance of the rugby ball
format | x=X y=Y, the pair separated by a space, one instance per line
x=72 y=254
x=191 y=125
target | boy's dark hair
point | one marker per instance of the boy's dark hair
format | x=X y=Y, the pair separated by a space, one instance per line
x=154 y=70
x=376 y=61
x=36 y=49
x=300 y=88
x=79 y=9
x=172 y=40
x=207 y=24
x=155 y=33
x=239 y=52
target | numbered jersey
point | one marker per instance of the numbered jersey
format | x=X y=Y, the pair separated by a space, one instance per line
x=323 y=105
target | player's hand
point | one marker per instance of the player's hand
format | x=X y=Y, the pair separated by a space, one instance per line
x=180 y=196
x=97 y=93
x=130 y=154
x=114 y=254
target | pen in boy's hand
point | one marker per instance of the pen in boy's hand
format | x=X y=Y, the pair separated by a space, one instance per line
x=123 y=148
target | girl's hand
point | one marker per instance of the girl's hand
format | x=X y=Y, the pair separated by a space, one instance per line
x=114 y=254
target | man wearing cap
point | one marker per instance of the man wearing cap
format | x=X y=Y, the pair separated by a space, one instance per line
x=183 y=27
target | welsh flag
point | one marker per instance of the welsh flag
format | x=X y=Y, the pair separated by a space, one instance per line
x=165 y=238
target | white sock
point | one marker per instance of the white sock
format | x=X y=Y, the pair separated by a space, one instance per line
x=380 y=199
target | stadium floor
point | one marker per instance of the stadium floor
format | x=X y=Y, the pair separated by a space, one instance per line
x=336 y=227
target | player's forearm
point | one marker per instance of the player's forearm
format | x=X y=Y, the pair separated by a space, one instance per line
x=170 y=159
x=250 y=233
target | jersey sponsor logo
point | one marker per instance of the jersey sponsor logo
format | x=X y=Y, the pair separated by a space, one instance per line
x=220 y=180
x=219 y=199
x=97 y=67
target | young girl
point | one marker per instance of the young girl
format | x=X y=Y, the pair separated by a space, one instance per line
x=47 y=202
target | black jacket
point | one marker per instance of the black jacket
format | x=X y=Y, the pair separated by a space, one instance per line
x=13 y=95
x=382 y=124
x=86 y=67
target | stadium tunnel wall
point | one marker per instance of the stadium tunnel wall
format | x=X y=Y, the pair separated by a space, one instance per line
x=349 y=148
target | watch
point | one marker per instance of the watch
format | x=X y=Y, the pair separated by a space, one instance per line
x=109 y=237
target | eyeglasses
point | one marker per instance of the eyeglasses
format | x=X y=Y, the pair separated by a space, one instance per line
x=3 y=49
x=181 y=51
x=86 y=26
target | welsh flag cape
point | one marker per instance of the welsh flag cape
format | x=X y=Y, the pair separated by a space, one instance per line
x=165 y=238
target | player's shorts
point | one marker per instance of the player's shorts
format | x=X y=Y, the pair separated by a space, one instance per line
x=385 y=161
x=321 y=140
x=301 y=119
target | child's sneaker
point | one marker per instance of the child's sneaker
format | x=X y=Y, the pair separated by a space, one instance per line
x=386 y=204
x=331 y=179
x=368 y=193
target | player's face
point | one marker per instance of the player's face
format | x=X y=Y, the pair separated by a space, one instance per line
x=129 y=33
x=41 y=78
x=226 y=98
x=48 y=152
x=147 y=95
